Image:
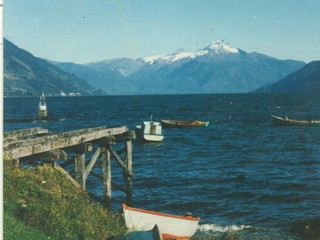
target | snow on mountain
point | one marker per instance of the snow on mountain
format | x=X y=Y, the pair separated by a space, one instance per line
x=152 y=59
x=220 y=48
x=178 y=55
x=217 y=68
x=216 y=47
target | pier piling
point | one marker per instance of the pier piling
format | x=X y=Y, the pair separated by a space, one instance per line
x=38 y=145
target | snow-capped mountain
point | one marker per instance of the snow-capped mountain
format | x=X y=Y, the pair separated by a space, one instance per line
x=219 y=47
x=216 y=47
x=217 y=68
x=180 y=54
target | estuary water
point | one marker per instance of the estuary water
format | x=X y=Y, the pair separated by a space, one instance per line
x=241 y=172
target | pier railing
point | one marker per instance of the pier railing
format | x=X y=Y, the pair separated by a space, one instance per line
x=36 y=145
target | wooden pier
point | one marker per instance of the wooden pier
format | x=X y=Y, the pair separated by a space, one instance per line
x=36 y=145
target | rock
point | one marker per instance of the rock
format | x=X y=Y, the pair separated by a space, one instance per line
x=308 y=229
x=231 y=235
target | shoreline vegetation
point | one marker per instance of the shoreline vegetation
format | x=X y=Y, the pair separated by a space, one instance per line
x=40 y=203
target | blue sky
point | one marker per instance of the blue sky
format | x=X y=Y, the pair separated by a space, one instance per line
x=84 y=31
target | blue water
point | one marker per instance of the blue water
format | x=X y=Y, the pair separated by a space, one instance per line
x=239 y=173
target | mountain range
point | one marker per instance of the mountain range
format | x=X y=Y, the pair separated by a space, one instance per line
x=217 y=68
x=307 y=79
x=26 y=75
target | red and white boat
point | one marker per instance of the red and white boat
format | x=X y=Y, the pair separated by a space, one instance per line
x=171 y=227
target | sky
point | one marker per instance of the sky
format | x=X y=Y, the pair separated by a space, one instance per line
x=83 y=31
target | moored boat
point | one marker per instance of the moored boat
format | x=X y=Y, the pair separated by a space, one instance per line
x=180 y=123
x=285 y=121
x=150 y=131
x=170 y=226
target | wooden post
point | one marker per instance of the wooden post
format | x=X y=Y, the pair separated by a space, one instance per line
x=92 y=162
x=55 y=147
x=80 y=169
x=128 y=177
x=106 y=174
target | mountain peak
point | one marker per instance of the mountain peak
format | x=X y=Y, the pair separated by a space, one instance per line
x=220 y=47
x=216 y=47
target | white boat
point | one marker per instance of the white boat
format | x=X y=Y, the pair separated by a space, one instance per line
x=285 y=121
x=150 y=131
x=171 y=227
x=42 y=106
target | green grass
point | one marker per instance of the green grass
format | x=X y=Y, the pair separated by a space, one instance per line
x=41 y=203
x=15 y=229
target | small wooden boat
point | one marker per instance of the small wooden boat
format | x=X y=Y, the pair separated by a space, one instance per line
x=170 y=226
x=179 y=123
x=42 y=106
x=150 y=131
x=285 y=121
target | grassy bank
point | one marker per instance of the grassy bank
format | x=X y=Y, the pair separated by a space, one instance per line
x=40 y=203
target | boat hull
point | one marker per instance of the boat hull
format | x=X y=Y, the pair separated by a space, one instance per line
x=153 y=137
x=179 y=123
x=292 y=122
x=170 y=226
